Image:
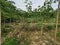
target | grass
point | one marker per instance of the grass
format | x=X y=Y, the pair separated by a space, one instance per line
x=7 y=26
x=58 y=34
x=26 y=41
x=31 y=27
x=50 y=27
x=11 y=41
x=4 y=32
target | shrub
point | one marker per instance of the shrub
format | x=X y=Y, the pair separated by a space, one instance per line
x=11 y=41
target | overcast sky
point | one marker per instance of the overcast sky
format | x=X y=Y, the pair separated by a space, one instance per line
x=20 y=4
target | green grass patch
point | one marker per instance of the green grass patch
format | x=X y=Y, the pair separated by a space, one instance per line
x=58 y=34
x=11 y=41
x=50 y=27
x=3 y=30
x=7 y=25
x=26 y=41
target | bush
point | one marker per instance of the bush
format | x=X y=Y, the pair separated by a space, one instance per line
x=11 y=41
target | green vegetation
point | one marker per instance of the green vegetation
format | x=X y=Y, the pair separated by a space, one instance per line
x=26 y=42
x=50 y=27
x=7 y=26
x=11 y=41
x=3 y=30
x=35 y=16
x=58 y=34
x=29 y=20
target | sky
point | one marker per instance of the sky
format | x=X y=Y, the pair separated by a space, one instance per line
x=20 y=4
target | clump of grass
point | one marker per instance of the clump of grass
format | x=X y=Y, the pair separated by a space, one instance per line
x=26 y=26
x=3 y=32
x=58 y=34
x=7 y=26
x=31 y=27
x=26 y=41
x=50 y=27
x=38 y=26
x=58 y=25
x=11 y=41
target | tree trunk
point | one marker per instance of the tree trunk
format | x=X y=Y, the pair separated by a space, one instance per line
x=42 y=31
x=57 y=16
x=0 y=25
x=10 y=20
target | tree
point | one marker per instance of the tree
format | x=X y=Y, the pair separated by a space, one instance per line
x=0 y=25
x=57 y=17
x=28 y=5
x=6 y=14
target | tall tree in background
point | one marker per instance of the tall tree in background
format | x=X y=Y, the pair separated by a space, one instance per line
x=7 y=8
x=28 y=5
x=45 y=12
x=57 y=17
